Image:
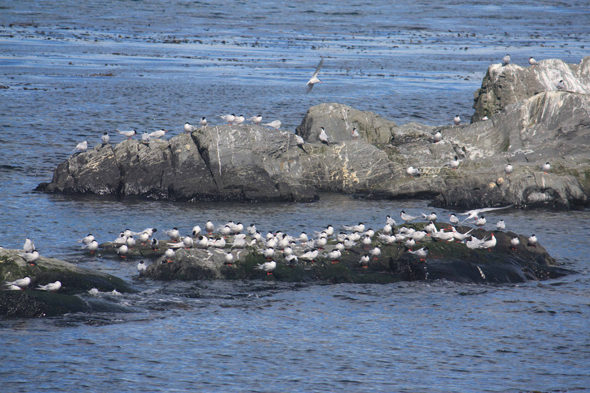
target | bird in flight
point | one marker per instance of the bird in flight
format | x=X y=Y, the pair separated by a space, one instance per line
x=314 y=78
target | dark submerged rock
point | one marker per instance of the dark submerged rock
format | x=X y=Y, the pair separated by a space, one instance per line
x=75 y=280
x=450 y=261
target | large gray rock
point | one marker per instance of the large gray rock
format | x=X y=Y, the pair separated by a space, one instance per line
x=339 y=120
x=215 y=163
x=508 y=84
x=259 y=164
x=549 y=127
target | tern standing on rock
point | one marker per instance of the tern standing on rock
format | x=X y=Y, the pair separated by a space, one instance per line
x=506 y=60
x=457 y=120
x=508 y=169
x=189 y=128
x=128 y=134
x=203 y=122
x=229 y=118
x=81 y=147
x=324 y=137
x=532 y=61
x=276 y=124
x=105 y=138
x=314 y=78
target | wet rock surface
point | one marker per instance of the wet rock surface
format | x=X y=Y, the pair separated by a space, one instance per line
x=75 y=280
x=445 y=260
x=510 y=83
x=250 y=163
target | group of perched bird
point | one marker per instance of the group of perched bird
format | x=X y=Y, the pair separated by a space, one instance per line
x=306 y=248
x=325 y=244
x=30 y=256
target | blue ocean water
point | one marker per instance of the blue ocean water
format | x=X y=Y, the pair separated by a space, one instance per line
x=72 y=70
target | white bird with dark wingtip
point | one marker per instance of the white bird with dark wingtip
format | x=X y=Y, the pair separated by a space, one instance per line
x=406 y=217
x=309 y=255
x=229 y=259
x=437 y=137
x=51 y=287
x=461 y=236
x=413 y=171
x=239 y=120
x=532 y=61
x=454 y=164
x=30 y=257
x=514 y=242
x=155 y=244
x=158 y=134
x=430 y=217
x=560 y=85
x=189 y=128
x=256 y=120
x=122 y=251
x=129 y=134
x=489 y=244
x=375 y=252
x=29 y=245
x=145 y=138
x=473 y=213
x=87 y=239
x=92 y=246
x=501 y=225
x=355 y=134
x=532 y=242
x=453 y=219
x=506 y=60
x=457 y=120
x=474 y=243
x=268 y=267
x=364 y=262
x=480 y=221
x=188 y=242
x=131 y=242
x=546 y=167
x=173 y=234
x=203 y=122
x=209 y=226
x=141 y=267
x=21 y=282
x=229 y=118
x=355 y=228
x=314 y=78
x=323 y=136
x=105 y=138
x=421 y=253
x=276 y=124
x=81 y=147
x=508 y=169
x=203 y=242
x=169 y=254
x=196 y=231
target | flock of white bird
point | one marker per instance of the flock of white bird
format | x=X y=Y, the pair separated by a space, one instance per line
x=291 y=249
x=282 y=246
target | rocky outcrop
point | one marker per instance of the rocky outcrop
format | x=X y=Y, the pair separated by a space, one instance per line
x=508 y=84
x=549 y=127
x=74 y=280
x=339 y=120
x=249 y=163
x=215 y=163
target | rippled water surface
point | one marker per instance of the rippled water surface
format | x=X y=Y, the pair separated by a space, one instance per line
x=71 y=70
